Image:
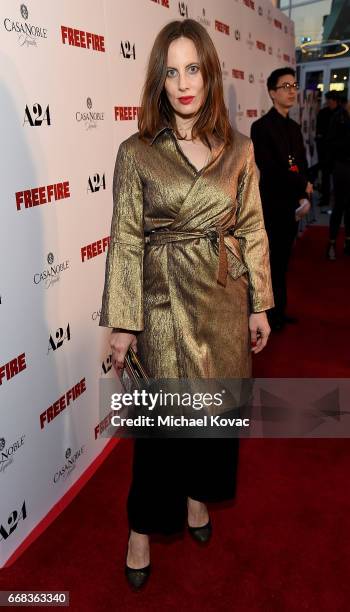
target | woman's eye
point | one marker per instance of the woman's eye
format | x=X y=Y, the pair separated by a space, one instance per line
x=171 y=72
x=193 y=69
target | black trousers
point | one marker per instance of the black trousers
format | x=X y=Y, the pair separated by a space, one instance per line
x=166 y=471
x=341 y=180
x=325 y=175
x=281 y=237
x=325 y=185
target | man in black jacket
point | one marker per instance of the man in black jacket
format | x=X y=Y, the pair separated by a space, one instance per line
x=338 y=158
x=284 y=187
x=323 y=121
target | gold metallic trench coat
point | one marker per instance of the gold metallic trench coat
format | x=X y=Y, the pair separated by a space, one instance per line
x=188 y=258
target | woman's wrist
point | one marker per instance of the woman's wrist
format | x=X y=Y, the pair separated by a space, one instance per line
x=117 y=330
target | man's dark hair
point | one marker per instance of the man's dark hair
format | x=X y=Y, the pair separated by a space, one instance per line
x=332 y=95
x=277 y=74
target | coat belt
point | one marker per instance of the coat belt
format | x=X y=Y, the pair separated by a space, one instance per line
x=215 y=235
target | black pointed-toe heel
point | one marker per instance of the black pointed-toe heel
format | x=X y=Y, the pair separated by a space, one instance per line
x=201 y=534
x=137 y=578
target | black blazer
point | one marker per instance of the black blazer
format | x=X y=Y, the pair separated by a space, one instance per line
x=337 y=141
x=276 y=138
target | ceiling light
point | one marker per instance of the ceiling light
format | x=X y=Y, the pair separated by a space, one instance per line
x=345 y=49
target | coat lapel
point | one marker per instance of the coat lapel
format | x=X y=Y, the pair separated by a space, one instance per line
x=196 y=210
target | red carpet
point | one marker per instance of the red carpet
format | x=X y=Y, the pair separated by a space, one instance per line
x=284 y=545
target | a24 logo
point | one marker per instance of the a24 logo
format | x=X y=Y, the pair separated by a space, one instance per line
x=12 y=522
x=57 y=340
x=36 y=116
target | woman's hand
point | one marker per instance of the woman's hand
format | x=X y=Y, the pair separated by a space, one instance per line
x=120 y=342
x=259 y=331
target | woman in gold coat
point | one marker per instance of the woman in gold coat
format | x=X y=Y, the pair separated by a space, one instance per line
x=187 y=274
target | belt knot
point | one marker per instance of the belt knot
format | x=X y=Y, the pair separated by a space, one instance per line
x=214 y=234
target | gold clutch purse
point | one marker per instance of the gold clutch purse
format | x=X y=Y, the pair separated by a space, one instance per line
x=134 y=375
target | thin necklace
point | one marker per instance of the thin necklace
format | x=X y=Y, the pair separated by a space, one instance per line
x=187 y=139
x=191 y=140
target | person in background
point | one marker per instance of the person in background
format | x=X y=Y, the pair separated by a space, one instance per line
x=345 y=102
x=323 y=121
x=338 y=158
x=284 y=185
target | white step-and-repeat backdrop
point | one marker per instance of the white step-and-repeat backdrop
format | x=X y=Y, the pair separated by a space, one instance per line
x=71 y=76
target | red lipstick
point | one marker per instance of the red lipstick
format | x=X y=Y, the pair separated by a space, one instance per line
x=186 y=99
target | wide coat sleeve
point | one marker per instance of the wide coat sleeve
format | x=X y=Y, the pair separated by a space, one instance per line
x=122 y=301
x=252 y=237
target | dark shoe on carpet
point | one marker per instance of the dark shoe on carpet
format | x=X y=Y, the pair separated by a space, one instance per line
x=201 y=534
x=137 y=578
